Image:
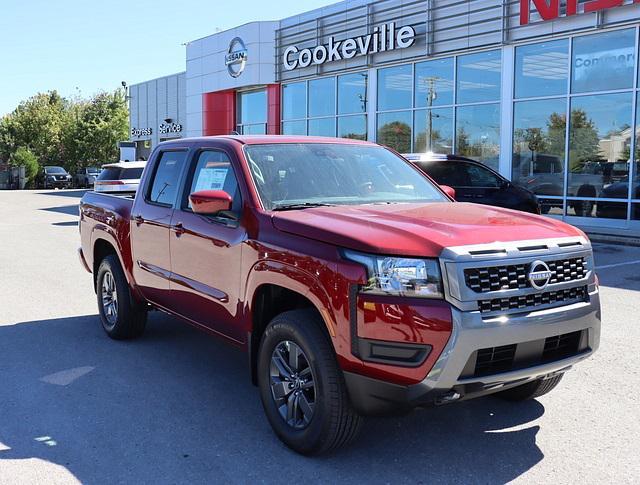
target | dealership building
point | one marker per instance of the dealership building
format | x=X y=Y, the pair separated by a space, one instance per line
x=546 y=92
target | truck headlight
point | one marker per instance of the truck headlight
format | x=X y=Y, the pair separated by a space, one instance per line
x=399 y=276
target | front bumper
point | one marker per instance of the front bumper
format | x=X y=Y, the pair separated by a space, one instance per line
x=454 y=376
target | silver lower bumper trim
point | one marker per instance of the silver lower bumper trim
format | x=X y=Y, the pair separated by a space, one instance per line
x=471 y=333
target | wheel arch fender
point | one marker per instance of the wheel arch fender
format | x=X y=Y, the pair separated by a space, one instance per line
x=101 y=235
x=273 y=287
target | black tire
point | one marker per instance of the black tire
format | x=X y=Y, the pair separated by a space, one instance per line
x=333 y=422
x=126 y=319
x=530 y=390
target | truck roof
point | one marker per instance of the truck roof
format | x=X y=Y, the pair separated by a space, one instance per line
x=271 y=139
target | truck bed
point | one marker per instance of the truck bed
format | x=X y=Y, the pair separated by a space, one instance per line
x=109 y=216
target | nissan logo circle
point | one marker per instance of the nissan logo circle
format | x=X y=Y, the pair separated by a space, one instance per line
x=540 y=275
x=236 y=58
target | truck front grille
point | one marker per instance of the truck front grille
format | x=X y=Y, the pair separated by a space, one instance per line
x=495 y=360
x=567 y=296
x=512 y=277
x=561 y=346
x=507 y=358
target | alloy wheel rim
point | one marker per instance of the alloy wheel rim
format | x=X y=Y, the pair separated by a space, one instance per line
x=109 y=298
x=292 y=384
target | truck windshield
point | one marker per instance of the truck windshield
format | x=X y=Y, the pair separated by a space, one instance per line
x=309 y=174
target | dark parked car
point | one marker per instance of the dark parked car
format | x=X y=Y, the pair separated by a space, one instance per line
x=54 y=178
x=475 y=182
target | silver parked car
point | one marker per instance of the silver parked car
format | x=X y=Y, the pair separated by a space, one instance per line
x=120 y=177
x=86 y=177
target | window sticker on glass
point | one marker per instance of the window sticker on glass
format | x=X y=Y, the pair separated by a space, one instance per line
x=212 y=177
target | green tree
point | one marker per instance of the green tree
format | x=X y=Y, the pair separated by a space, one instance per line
x=396 y=135
x=73 y=133
x=24 y=158
x=38 y=124
x=556 y=133
x=98 y=125
x=584 y=141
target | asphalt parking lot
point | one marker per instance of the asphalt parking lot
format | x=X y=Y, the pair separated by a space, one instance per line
x=174 y=407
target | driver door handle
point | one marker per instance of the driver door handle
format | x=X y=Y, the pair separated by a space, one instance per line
x=138 y=219
x=178 y=228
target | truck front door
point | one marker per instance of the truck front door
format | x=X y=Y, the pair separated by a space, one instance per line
x=206 y=251
x=151 y=224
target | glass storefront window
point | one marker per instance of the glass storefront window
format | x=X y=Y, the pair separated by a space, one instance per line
x=597 y=208
x=478 y=133
x=542 y=69
x=603 y=62
x=322 y=97
x=395 y=87
x=294 y=101
x=551 y=207
x=294 y=127
x=394 y=130
x=322 y=127
x=252 y=107
x=353 y=127
x=599 y=141
x=539 y=133
x=352 y=93
x=434 y=83
x=635 y=192
x=433 y=130
x=479 y=77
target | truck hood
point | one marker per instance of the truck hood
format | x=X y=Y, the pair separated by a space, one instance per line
x=417 y=229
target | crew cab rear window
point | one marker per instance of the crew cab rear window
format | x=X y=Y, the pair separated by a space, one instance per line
x=166 y=177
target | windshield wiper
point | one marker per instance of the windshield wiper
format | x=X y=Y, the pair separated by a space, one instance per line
x=304 y=205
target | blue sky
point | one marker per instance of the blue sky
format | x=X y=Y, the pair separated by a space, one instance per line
x=72 y=45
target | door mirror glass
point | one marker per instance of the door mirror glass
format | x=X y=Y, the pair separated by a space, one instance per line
x=210 y=202
x=450 y=191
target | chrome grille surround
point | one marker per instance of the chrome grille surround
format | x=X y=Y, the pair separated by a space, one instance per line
x=508 y=290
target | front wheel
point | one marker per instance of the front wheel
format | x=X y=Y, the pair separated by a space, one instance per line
x=122 y=318
x=302 y=388
x=531 y=390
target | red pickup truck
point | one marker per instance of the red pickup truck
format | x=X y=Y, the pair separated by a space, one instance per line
x=354 y=283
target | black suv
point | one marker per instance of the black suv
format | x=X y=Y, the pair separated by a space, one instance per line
x=53 y=177
x=475 y=182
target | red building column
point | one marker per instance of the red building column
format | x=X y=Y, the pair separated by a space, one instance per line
x=273 y=109
x=219 y=112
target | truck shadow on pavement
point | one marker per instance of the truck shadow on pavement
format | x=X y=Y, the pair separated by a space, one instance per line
x=176 y=407
x=71 y=210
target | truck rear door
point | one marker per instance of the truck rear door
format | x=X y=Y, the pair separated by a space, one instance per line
x=206 y=251
x=151 y=225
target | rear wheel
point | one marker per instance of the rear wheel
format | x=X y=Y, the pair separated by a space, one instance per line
x=302 y=388
x=531 y=390
x=122 y=318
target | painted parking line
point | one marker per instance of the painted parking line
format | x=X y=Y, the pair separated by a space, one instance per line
x=617 y=265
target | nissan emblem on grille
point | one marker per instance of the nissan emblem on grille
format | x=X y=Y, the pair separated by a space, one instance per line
x=540 y=275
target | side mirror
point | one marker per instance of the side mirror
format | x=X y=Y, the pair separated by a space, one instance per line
x=210 y=202
x=450 y=191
